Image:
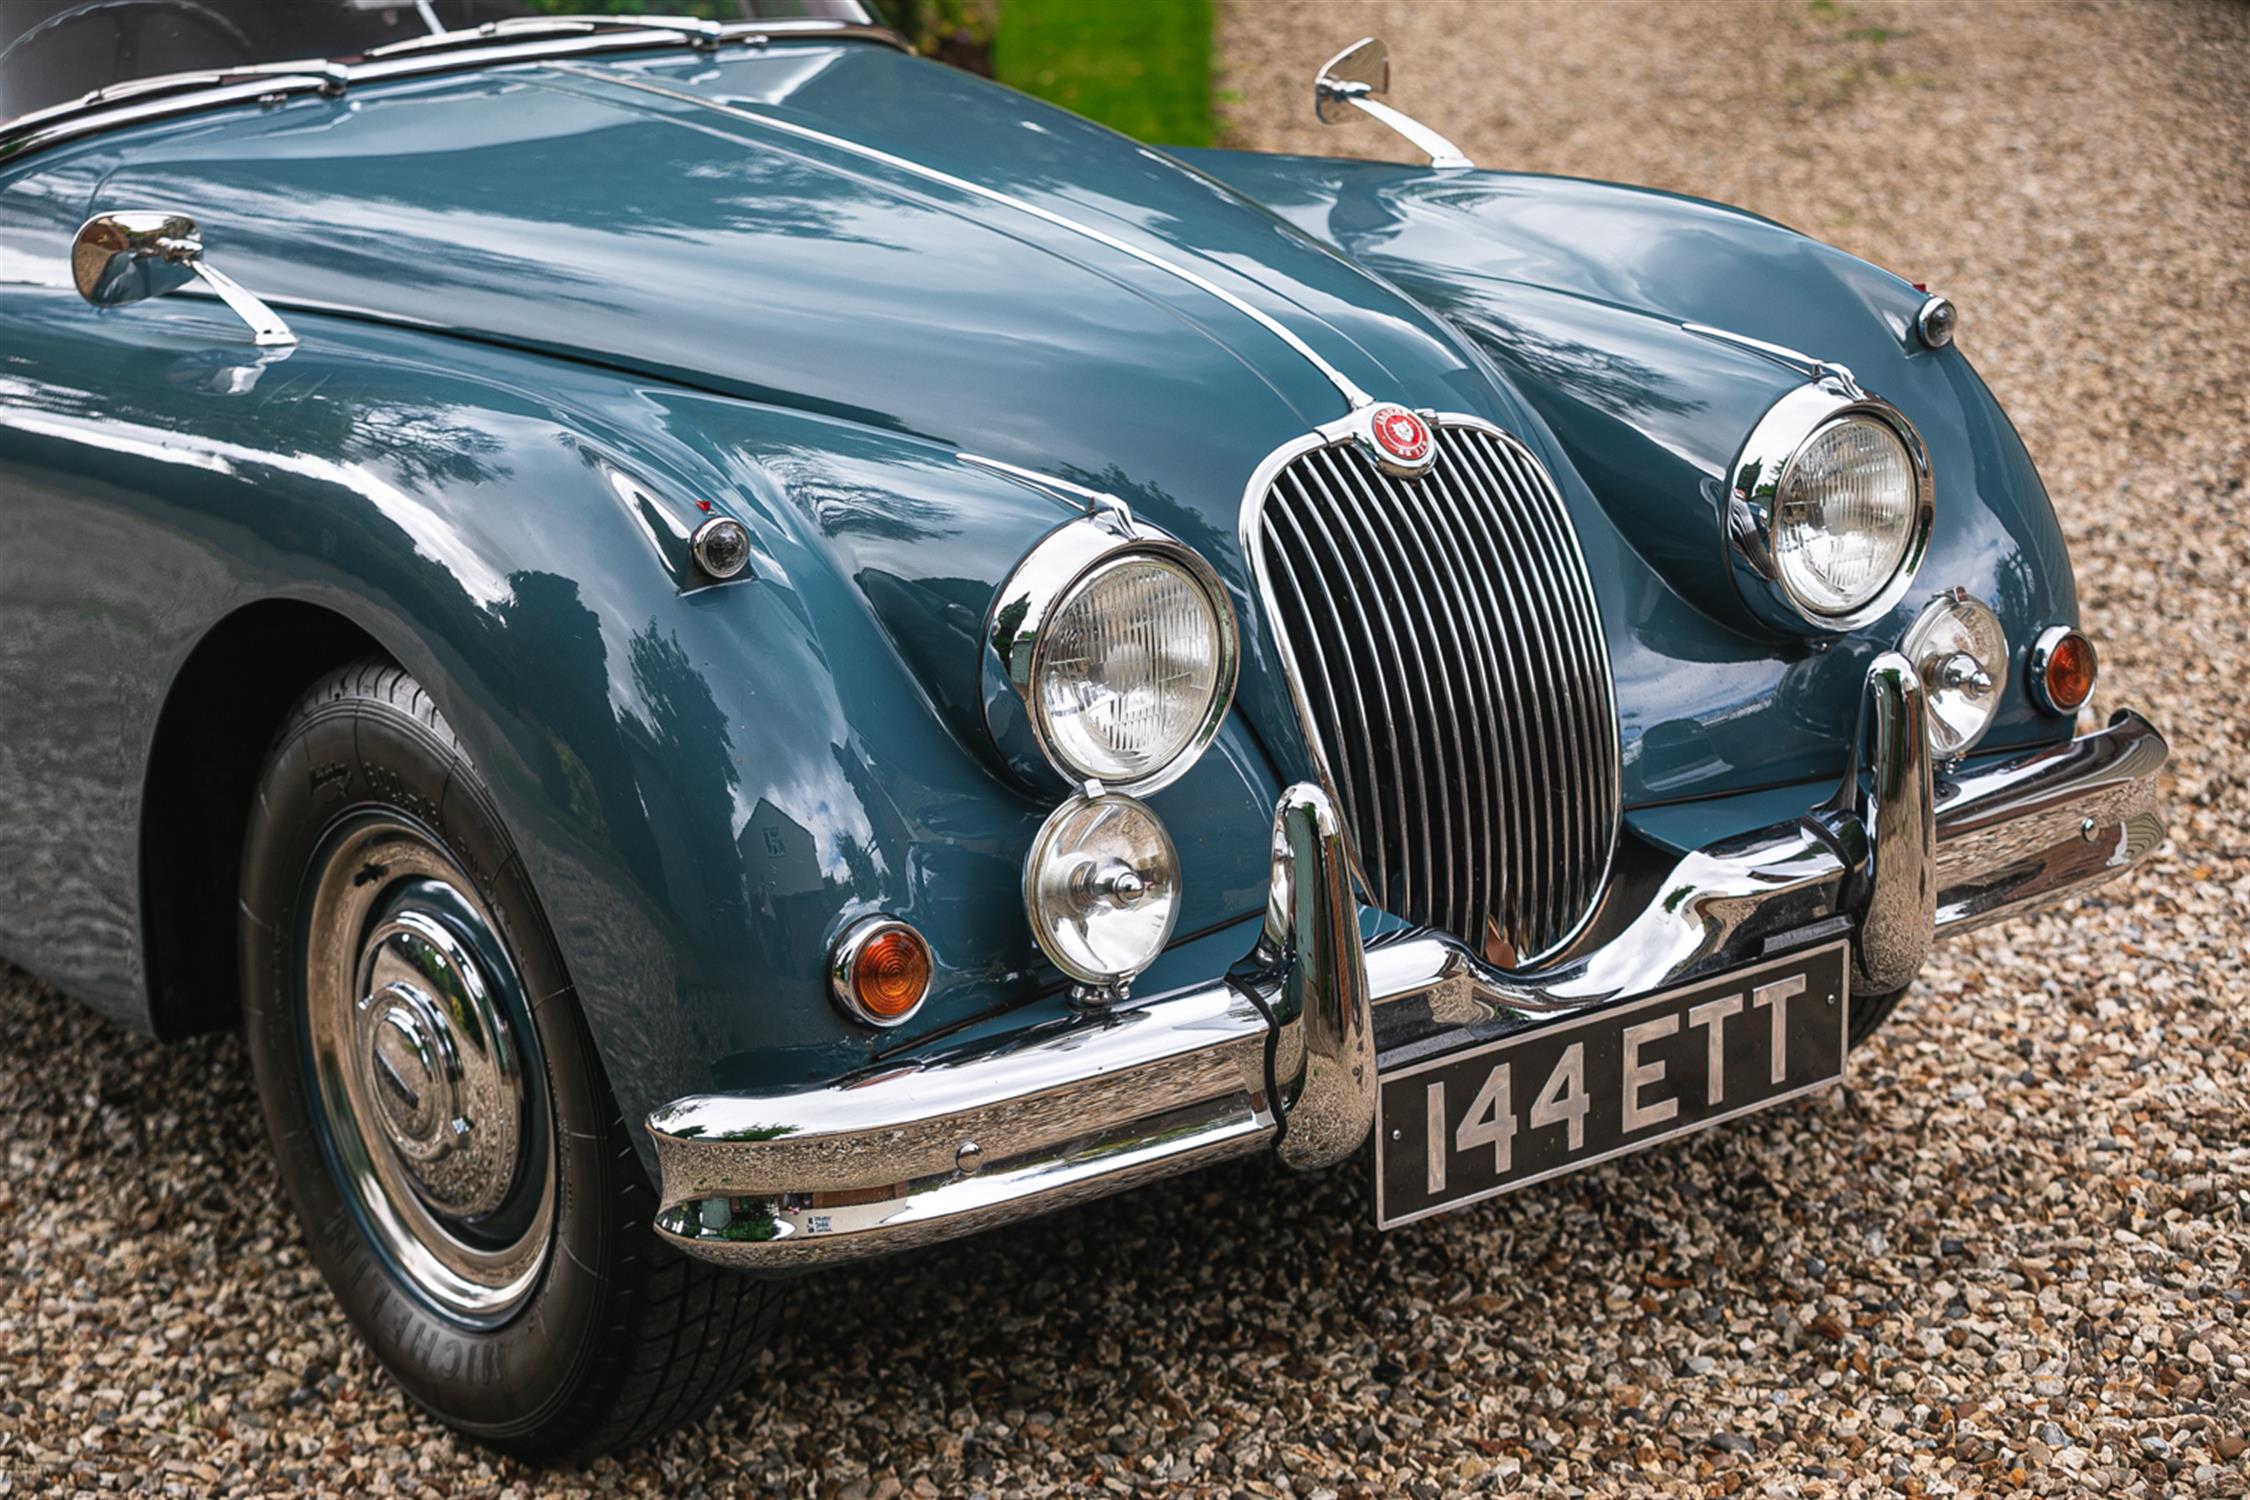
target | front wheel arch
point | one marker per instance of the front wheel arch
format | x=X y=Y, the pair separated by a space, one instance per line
x=219 y=716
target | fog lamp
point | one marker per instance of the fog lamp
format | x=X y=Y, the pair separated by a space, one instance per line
x=2063 y=666
x=1102 y=889
x=1961 y=652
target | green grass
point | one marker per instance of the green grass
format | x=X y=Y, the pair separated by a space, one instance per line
x=1139 y=66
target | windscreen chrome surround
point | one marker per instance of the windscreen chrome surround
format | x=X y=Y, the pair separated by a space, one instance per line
x=140 y=100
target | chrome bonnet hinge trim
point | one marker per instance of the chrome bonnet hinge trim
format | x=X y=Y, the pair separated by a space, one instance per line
x=1812 y=364
x=1099 y=505
x=1344 y=384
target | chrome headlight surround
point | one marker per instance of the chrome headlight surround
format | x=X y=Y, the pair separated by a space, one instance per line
x=1755 y=484
x=1047 y=580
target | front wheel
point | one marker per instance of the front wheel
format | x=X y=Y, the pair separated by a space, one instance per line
x=441 y=1121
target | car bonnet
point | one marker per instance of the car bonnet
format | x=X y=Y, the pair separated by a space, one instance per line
x=832 y=227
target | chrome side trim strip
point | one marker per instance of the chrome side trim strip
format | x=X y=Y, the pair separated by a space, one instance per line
x=1351 y=393
x=1813 y=366
x=1098 y=505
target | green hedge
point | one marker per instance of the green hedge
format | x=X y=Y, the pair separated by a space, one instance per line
x=1139 y=66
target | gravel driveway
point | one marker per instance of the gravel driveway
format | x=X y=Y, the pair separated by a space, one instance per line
x=2011 y=1253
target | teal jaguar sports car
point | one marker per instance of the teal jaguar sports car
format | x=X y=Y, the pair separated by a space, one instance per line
x=735 y=650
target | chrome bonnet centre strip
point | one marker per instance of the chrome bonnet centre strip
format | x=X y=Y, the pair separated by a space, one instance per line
x=1344 y=384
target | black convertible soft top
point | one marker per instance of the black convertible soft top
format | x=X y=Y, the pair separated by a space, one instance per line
x=56 y=51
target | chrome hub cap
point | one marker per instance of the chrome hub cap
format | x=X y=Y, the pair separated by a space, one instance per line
x=431 y=1099
x=410 y=1061
x=439 y=1063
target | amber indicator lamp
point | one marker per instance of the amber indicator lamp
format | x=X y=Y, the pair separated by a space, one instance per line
x=2063 y=670
x=881 y=970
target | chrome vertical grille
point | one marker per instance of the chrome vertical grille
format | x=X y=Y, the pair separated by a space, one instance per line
x=1448 y=659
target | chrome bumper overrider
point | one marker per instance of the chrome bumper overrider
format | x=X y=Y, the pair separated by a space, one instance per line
x=1282 y=1052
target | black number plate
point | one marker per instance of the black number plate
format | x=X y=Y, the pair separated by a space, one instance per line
x=1458 y=1128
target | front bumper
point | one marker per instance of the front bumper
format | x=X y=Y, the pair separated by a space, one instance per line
x=1283 y=1051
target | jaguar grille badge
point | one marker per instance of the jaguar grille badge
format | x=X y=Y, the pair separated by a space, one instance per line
x=1401 y=440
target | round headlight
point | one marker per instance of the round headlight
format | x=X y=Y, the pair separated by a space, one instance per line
x=1961 y=653
x=1122 y=647
x=1124 y=679
x=1845 y=515
x=1102 y=888
x=1830 y=509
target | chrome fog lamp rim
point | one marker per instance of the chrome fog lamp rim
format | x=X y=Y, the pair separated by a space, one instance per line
x=1059 y=857
x=1048 y=579
x=1756 y=482
x=1945 y=690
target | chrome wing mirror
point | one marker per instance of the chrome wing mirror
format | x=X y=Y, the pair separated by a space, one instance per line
x=124 y=257
x=1348 y=85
